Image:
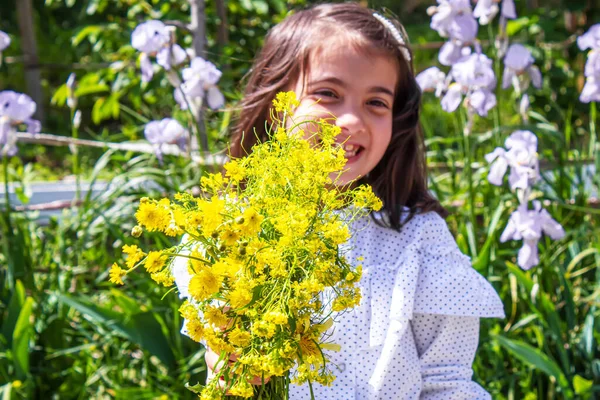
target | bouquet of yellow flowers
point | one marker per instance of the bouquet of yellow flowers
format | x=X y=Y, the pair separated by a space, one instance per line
x=267 y=275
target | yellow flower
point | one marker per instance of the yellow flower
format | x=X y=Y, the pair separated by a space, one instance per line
x=204 y=284
x=264 y=329
x=188 y=310
x=211 y=214
x=116 y=274
x=234 y=170
x=17 y=384
x=276 y=317
x=230 y=237
x=195 y=330
x=240 y=297
x=239 y=338
x=155 y=261
x=134 y=254
x=215 y=316
x=241 y=388
x=153 y=216
x=308 y=348
x=193 y=221
x=212 y=182
x=285 y=101
x=364 y=197
x=252 y=221
x=163 y=278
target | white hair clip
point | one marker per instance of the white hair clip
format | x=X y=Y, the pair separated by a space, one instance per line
x=395 y=33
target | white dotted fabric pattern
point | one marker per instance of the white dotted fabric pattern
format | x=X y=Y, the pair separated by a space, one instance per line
x=416 y=331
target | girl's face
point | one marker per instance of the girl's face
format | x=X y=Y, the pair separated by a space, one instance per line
x=356 y=92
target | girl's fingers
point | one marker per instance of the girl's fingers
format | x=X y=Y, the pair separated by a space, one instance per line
x=214 y=365
x=212 y=359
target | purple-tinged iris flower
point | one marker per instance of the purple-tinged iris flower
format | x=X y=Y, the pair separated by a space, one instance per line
x=524 y=105
x=592 y=65
x=486 y=10
x=509 y=10
x=146 y=67
x=171 y=56
x=8 y=139
x=432 y=80
x=19 y=108
x=451 y=52
x=518 y=61
x=153 y=38
x=443 y=16
x=521 y=156
x=591 y=90
x=15 y=109
x=474 y=78
x=150 y=36
x=200 y=81
x=463 y=31
x=482 y=101
x=529 y=225
x=590 y=39
x=165 y=131
x=4 y=41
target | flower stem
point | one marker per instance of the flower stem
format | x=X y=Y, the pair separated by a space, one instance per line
x=76 y=172
x=468 y=171
x=593 y=134
x=6 y=196
x=312 y=395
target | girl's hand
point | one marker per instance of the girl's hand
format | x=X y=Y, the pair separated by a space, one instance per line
x=214 y=366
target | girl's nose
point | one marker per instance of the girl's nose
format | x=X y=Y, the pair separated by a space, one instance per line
x=350 y=120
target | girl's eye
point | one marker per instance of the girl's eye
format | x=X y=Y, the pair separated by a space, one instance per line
x=378 y=103
x=326 y=93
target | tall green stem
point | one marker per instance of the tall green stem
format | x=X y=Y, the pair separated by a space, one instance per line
x=76 y=172
x=593 y=137
x=467 y=127
x=6 y=196
x=6 y=228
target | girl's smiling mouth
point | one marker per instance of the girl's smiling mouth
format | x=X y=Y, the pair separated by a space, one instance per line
x=353 y=151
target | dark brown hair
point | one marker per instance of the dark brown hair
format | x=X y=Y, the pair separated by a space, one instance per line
x=400 y=178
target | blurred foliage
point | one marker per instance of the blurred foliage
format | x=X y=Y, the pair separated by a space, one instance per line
x=66 y=333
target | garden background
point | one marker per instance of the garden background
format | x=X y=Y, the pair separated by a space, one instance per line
x=67 y=333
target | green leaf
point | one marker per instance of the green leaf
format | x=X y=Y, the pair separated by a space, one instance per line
x=535 y=358
x=143 y=328
x=60 y=96
x=197 y=388
x=514 y=26
x=90 y=31
x=14 y=309
x=582 y=385
x=20 y=339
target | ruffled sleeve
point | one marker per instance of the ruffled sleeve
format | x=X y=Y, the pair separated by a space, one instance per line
x=447 y=282
x=428 y=275
x=180 y=271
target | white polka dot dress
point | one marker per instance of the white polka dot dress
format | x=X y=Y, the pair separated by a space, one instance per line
x=416 y=331
x=415 y=334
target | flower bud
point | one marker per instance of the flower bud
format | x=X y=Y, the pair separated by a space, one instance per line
x=137 y=231
x=239 y=220
x=77 y=119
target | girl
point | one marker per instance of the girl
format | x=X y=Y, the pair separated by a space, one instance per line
x=416 y=331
